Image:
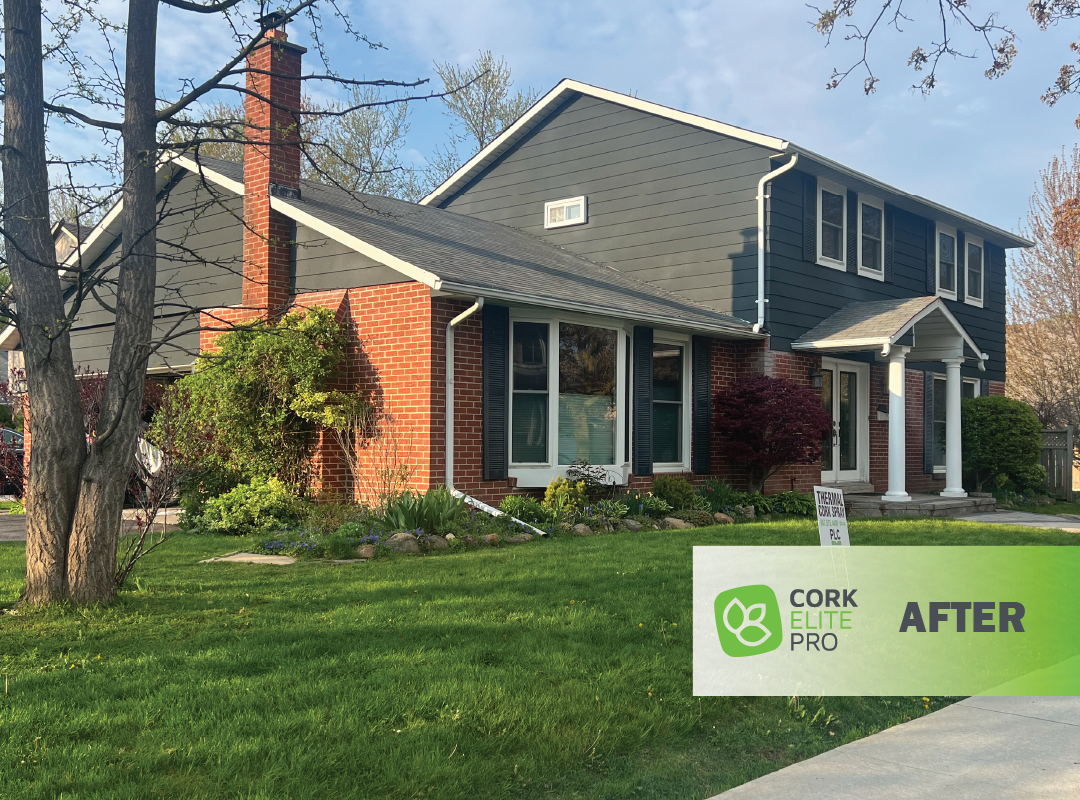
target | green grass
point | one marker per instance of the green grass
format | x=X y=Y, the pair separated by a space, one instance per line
x=556 y=669
x=1057 y=508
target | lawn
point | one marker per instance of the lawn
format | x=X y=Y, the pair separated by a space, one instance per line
x=1057 y=508
x=558 y=669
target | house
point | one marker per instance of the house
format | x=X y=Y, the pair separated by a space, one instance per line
x=584 y=285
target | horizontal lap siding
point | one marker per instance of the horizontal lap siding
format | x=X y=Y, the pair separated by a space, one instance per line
x=667 y=203
x=323 y=264
x=802 y=294
x=199 y=265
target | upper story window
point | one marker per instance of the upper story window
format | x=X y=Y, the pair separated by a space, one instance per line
x=832 y=224
x=974 y=271
x=560 y=213
x=871 y=237
x=946 y=261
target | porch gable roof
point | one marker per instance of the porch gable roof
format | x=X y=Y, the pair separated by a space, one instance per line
x=923 y=324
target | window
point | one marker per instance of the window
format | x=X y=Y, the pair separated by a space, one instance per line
x=569 y=386
x=939 y=424
x=871 y=238
x=667 y=387
x=560 y=213
x=946 y=262
x=529 y=423
x=969 y=388
x=832 y=219
x=974 y=265
x=587 y=407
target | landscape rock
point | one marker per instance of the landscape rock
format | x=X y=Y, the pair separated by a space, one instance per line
x=367 y=551
x=403 y=543
x=492 y=538
x=467 y=540
x=631 y=525
x=451 y=538
x=747 y=512
x=723 y=519
x=520 y=538
x=436 y=542
x=674 y=523
x=581 y=529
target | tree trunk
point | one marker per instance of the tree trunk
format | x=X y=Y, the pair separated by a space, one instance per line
x=59 y=445
x=92 y=554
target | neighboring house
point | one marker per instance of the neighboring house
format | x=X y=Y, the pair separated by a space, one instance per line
x=583 y=286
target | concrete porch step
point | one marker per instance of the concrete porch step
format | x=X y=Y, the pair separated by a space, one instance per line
x=851 y=487
x=920 y=505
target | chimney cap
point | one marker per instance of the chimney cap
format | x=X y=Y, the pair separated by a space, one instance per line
x=272 y=20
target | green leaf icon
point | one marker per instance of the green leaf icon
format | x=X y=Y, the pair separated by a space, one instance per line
x=748 y=620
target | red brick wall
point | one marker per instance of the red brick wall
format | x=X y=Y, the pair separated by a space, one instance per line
x=271 y=156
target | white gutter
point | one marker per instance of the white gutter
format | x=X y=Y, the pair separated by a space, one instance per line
x=449 y=456
x=761 y=198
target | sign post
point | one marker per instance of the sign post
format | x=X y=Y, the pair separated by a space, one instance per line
x=831 y=517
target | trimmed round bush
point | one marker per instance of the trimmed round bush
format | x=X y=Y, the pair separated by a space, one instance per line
x=259 y=507
x=675 y=490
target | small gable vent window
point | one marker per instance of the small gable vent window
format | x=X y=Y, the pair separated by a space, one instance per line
x=561 y=213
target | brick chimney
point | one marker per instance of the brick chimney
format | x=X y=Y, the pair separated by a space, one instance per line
x=271 y=166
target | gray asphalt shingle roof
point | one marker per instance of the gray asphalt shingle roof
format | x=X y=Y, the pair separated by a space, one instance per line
x=477 y=256
x=879 y=320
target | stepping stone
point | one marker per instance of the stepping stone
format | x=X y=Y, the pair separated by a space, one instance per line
x=252 y=558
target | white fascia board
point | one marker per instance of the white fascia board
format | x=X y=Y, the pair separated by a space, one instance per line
x=191 y=165
x=412 y=271
x=566 y=86
x=963 y=220
x=666 y=322
x=842 y=344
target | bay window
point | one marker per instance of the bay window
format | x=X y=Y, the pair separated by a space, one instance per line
x=587 y=407
x=529 y=426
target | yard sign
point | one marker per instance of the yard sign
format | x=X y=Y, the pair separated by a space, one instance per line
x=831 y=517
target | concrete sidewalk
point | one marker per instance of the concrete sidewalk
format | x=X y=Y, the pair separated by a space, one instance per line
x=990 y=748
x=1026 y=519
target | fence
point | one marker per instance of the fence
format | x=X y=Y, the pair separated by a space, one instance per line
x=1057 y=457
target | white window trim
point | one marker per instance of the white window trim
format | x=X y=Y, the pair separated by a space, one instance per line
x=976 y=383
x=878 y=274
x=938 y=230
x=968 y=299
x=832 y=188
x=535 y=475
x=567 y=201
x=664 y=337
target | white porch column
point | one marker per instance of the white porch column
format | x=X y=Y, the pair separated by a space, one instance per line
x=897 y=438
x=954 y=478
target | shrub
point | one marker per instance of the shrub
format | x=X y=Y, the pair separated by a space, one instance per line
x=527 y=509
x=694 y=517
x=1000 y=436
x=562 y=496
x=654 y=506
x=675 y=490
x=259 y=507
x=721 y=496
x=595 y=478
x=1030 y=480
x=795 y=503
x=432 y=512
x=770 y=423
x=237 y=410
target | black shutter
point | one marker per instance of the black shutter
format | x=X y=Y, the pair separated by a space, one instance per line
x=809 y=219
x=643 y=402
x=890 y=241
x=701 y=394
x=961 y=265
x=496 y=384
x=852 y=232
x=928 y=423
x=931 y=258
x=984 y=387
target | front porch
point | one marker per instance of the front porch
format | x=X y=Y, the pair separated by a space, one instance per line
x=891 y=335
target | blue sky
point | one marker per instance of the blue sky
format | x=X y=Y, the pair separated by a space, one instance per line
x=974 y=144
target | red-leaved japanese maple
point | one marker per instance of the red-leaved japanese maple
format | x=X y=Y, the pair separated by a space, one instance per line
x=769 y=423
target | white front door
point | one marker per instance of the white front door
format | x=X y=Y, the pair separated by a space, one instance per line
x=845 y=392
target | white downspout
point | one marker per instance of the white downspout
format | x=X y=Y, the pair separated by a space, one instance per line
x=449 y=456
x=761 y=198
